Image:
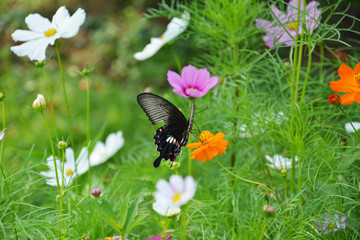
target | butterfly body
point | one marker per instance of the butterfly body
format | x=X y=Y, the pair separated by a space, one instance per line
x=171 y=137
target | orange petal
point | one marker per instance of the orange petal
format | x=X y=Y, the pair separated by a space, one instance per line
x=193 y=145
x=357 y=68
x=200 y=149
x=346 y=74
x=201 y=156
x=348 y=98
x=357 y=98
x=211 y=152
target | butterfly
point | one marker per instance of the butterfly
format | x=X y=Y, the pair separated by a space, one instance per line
x=171 y=137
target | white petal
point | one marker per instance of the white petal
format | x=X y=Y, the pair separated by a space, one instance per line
x=34 y=49
x=165 y=210
x=177 y=183
x=37 y=23
x=25 y=35
x=164 y=189
x=175 y=28
x=150 y=49
x=99 y=154
x=114 y=142
x=70 y=27
x=70 y=158
x=350 y=129
x=62 y=15
x=82 y=161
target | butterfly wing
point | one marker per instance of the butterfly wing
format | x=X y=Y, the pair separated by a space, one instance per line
x=174 y=134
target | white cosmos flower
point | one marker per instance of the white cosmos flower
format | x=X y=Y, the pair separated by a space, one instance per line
x=165 y=211
x=350 y=129
x=176 y=192
x=279 y=161
x=70 y=171
x=43 y=32
x=174 y=29
x=103 y=152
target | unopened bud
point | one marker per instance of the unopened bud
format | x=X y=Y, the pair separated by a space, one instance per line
x=96 y=192
x=283 y=172
x=39 y=64
x=175 y=165
x=334 y=99
x=2 y=96
x=269 y=210
x=287 y=65
x=39 y=104
x=62 y=144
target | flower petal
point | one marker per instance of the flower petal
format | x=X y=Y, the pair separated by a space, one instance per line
x=188 y=73
x=82 y=162
x=357 y=68
x=61 y=16
x=99 y=154
x=346 y=74
x=192 y=92
x=34 y=49
x=348 y=98
x=175 y=80
x=263 y=24
x=37 y=23
x=71 y=26
x=350 y=129
x=25 y=35
x=150 y=49
x=114 y=142
x=193 y=145
x=177 y=183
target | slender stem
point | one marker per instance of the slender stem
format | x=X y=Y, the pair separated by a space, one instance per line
x=3 y=171
x=321 y=63
x=62 y=190
x=347 y=117
x=52 y=104
x=307 y=76
x=263 y=229
x=176 y=58
x=65 y=95
x=292 y=186
x=55 y=165
x=249 y=181
x=190 y=160
x=299 y=182
x=183 y=224
x=298 y=73
x=87 y=110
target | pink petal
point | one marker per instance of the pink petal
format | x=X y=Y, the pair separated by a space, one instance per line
x=180 y=92
x=277 y=14
x=292 y=8
x=188 y=73
x=210 y=84
x=175 y=80
x=192 y=92
x=203 y=76
x=263 y=24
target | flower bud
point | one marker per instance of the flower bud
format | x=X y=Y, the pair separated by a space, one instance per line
x=62 y=144
x=283 y=172
x=39 y=104
x=334 y=99
x=287 y=65
x=269 y=210
x=175 y=165
x=96 y=192
x=2 y=96
x=39 y=64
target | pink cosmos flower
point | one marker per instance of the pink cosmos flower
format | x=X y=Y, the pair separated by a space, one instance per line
x=332 y=224
x=159 y=237
x=192 y=82
x=283 y=28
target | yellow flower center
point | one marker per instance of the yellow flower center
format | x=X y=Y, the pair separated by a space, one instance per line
x=292 y=26
x=176 y=197
x=357 y=77
x=50 y=32
x=68 y=172
x=204 y=137
x=162 y=37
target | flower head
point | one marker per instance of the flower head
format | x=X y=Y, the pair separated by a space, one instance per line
x=176 y=192
x=279 y=162
x=283 y=29
x=103 y=152
x=334 y=99
x=43 y=32
x=96 y=192
x=349 y=82
x=209 y=146
x=160 y=236
x=165 y=210
x=331 y=223
x=268 y=209
x=39 y=103
x=192 y=82
x=174 y=28
x=71 y=167
x=350 y=129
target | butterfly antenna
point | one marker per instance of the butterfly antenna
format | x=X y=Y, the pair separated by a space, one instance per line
x=202 y=110
x=171 y=164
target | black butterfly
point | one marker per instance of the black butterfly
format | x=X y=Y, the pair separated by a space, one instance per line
x=175 y=133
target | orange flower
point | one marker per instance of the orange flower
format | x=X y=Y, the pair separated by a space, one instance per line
x=209 y=146
x=349 y=83
x=334 y=99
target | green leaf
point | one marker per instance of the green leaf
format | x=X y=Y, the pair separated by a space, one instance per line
x=132 y=210
x=113 y=223
x=102 y=205
x=124 y=210
x=136 y=222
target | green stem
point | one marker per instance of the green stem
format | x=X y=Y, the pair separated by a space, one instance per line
x=62 y=190
x=292 y=186
x=347 y=117
x=176 y=58
x=65 y=95
x=52 y=104
x=263 y=229
x=307 y=76
x=55 y=165
x=249 y=181
x=299 y=182
x=190 y=160
x=183 y=224
x=321 y=63
x=87 y=110
x=3 y=171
